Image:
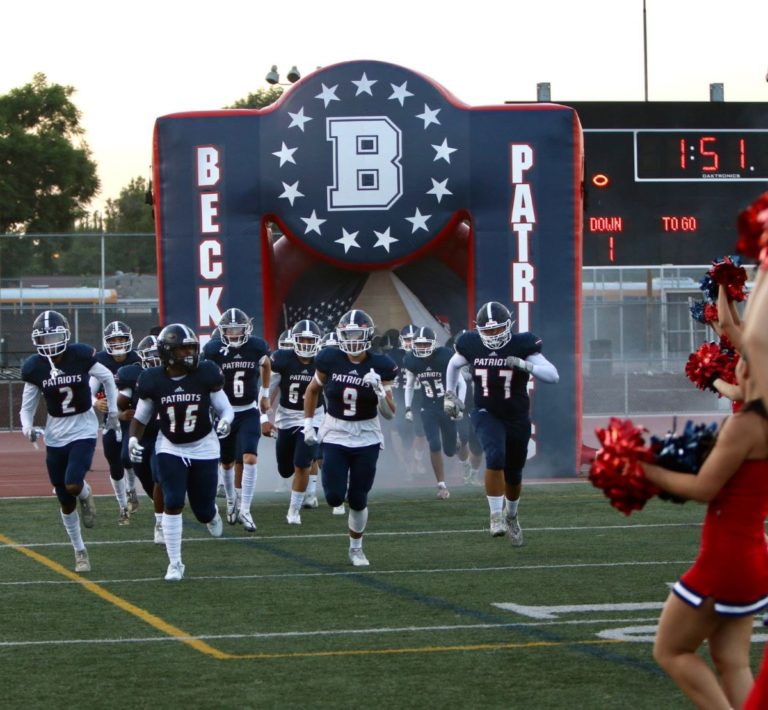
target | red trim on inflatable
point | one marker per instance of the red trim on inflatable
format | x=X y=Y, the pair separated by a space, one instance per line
x=158 y=225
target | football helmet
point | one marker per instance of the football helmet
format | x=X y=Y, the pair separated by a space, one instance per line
x=235 y=327
x=424 y=342
x=329 y=340
x=118 y=338
x=494 y=324
x=455 y=338
x=305 y=336
x=406 y=336
x=284 y=340
x=148 y=352
x=355 y=332
x=171 y=340
x=50 y=333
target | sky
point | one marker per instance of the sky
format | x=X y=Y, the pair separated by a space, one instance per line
x=132 y=62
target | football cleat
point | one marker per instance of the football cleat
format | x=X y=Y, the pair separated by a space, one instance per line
x=310 y=501
x=514 y=531
x=357 y=557
x=175 y=572
x=221 y=491
x=82 y=563
x=88 y=510
x=244 y=516
x=293 y=517
x=124 y=518
x=339 y=510
x=216 y=526
x=467 y=475
x=443 y=493
x=159 y=537
x=133 y=501
x=232 y=512
x=498 y=525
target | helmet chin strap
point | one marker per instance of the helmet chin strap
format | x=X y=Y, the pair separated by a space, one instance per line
x=55 y=372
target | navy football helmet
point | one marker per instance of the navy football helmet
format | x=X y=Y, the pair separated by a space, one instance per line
x=355 y=332
x=148 y=352
x=235 y=327
x=424 y=342
x=172 y=339
x=50 y=333
x=285 y=341
x=406 y=336
x=329 y=340
x=494 y=324
x=305 y=336
x=118 y=338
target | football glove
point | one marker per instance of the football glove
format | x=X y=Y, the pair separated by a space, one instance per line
x=372 y=379
x=408 y=415
x=112 y=423
x=135 y=450
x=30 y=433
x=452 y=405
x=223 y=428
x=310 y=434
x=519 y=364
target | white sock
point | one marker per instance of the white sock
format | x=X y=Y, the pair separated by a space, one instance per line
x=158 y=518
x=512 y=507
x=358 y=519
x=72 y=526
x=496 y=504
x=221 y=475
x=312 y=485
x=172 y=528
x=228 y=478
x=355 y=543
x=297 y=499
x=119 y=488
x=84 y=492
x=441 y=484
x=131 y=476
x=249 y=485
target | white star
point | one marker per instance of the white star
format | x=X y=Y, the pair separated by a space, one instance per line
x=429 y=116
x=291 y=192
x=439 y=189
x=285 y=154
x=364 y=85
x=383 y=239
x=348 y=240
x=400 y=93
x=443 y=151
x=419 y=221
x=298 y=119
x=313 y=223
x=328 y=95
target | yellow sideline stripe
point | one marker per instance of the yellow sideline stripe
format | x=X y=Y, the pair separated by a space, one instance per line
x=99 y=591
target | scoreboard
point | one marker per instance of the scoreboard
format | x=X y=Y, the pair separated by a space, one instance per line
x=664 y=181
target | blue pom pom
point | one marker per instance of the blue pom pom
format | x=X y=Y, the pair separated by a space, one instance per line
x=697 y=311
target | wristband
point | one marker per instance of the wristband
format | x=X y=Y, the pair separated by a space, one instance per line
x=264 y=392
x=264 y=418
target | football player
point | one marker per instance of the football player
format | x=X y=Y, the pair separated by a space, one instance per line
x=292 y=371
x=357 y=387
x=126 y=378
x=501 y=362
x=243 y=358
x=470 y=452
x=60 y=373
x=427 y=364
x=284 y=341
x=118 y=351
x=182 y=391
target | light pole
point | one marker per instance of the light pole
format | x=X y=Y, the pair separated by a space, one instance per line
x=273 y=77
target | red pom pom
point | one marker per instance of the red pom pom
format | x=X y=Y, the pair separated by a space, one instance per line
x=752 y=226
x=101 y=394
x=616 y=469
x=710 y=313
x=731 y=276
x=708 y=363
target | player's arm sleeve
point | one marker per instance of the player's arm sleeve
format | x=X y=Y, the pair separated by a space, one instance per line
x=95 y=386
x=543 y=369
x=410 y=378
x=274 y=383
x=106 y=378
x=29 y=399
x=144 y=411
x=452 y=375
x=461 y=388
x=221 y=405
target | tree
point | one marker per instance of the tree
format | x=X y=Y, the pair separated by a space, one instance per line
x=47 y=177
x=260 y=99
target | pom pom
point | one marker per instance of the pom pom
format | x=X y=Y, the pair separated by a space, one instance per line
x=710 y=362
x=752 y=227
x=101 y=394
x=697 y=311
x=710 y=313
x=616 y=469
x=729 y=273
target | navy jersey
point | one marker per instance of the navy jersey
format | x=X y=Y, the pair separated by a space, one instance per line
x=113 y=365
x=295 y=376
x=68 y=393
x=346 y=396
x=240 y=367
x=500 y=389
x=183 y=403
x=127 y=378
x=430 y=374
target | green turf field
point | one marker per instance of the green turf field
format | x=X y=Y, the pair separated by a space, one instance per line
x=445 y=616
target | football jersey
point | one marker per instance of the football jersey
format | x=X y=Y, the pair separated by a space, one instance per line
x=500 y=389
x=126 y=379
x=182 y=403
x=295 y=376
x=240 y=367
x=430 y=374
x=103 y=357
x=346 y=396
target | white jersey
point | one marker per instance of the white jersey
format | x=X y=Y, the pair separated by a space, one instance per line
x=206 y=448
x=350 y=433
